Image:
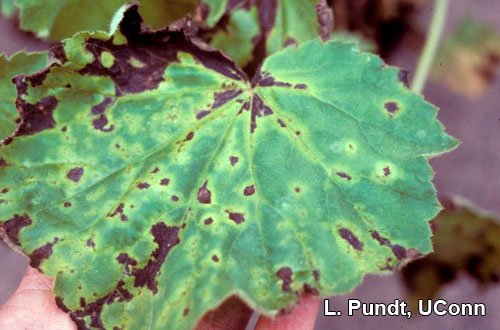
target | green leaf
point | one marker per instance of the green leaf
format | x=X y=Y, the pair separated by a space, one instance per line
x=472 y=54
x=466 y=241
x=59 y=19
x=7 y=7
x=248 y=31
x=154 y=180
x=9 y=68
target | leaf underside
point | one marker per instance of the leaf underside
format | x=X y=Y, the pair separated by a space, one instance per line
x=154 y=180
x=466 y=241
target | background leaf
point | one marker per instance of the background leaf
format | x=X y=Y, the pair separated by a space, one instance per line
x=250 y=30
x=9 y=68
x=472 y=54
x=59 y=19
x=154 y=180
x=466 y=241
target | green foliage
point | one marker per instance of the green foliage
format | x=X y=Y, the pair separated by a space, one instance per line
x=7 y=7
x=153 y=179
x=59 y=19
x=251 y=30
x=9 y=68
x=466 y=241
x=472 y=54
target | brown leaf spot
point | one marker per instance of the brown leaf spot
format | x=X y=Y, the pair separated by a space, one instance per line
x=75 y=174
x=215 y=258
x=391 y=108
x=233 y=160
x=208 y=221
x=387 y=171
x=143 y=185
x=37 y=256
x=344 y=176
x=236 y=217
x=285 y=274
x=174 y=198
x=67 y=204
x=90 y=243
x=166 y=237
x=351 y=239
x=201 y=114
x=155 y=170
x=204 y=195
x=316 y=275
x=250 y=190
x=164 y=182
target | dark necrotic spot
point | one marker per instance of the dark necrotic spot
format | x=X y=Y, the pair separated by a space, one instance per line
x=4 y=191
x=185 y=312
x=75 y=174
x=35 y=117
x=397 y=250
x=166 y=237
x=297 y=132
x=233 y=160
x=201 y=114
x=57 y=50
x=64 y=128
x=259 y=109
x=164 y=182
x=250 y=190
x=204 y=195
x=316 y=275
x=344 y=176
x=143 y=185
x=282 y=124
x=403 y=76
x=174 y=198
x=3 y=162
x=13 y=226
x=190 y=136
x=101 y=107
x=297 y=189
x=290 y=42
x=155 y=170
x=387 y=171
x=285 y=274
x=215 y=258
x=300 y=86
x=391 y=107
x=236 y=217
x=100 y=124
x=67 y=204
x=208 y=221
x=351 y=239
x=127 y=261
x=221 y=98
x=119 y=210
x=40 y=254
x=90 y=243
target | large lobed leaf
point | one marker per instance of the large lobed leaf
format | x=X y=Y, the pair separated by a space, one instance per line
x=154 y=180
x=250 y=30
x=9 y=67
x=59 y=19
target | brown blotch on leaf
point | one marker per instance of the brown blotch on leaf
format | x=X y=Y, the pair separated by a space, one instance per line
x=398 y=251
x=143 y=185
x=316 y=275
x=166 y=237
x=190 y=136
x=259 y=109
x=285 y=274
x=75 y=174
x=4 y=191
x=185 y=312
x=351 y=239
x=344 y=176
x=100 y=124
x=101 y=107
x=297 y=189
x=233 y=160
x=13 y=226
x=208 y=221
x=90 y=243
x=281 y=122
x=127 y=261
x=3 y=163
x=201 y=114
x=236 y=217
x=250 y=190
x=40 y=254
x=300 y=86
x=215 y=258
x=174 y=198
x=221 y=98
x=391 y=108
x=119 y=210
x=387 y=171
x=155 y=170
x=67 y=204
x=204 y=195
x=164 y=182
